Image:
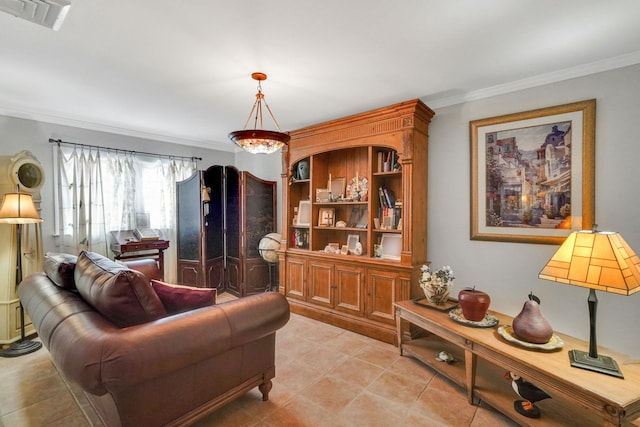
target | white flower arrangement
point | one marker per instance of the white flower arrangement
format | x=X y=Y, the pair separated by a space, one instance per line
x=436 y=284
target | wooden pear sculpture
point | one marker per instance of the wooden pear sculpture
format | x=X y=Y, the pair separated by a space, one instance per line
x=530 y=325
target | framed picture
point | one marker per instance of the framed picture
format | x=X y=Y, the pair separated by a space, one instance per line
x=304 y=213
x=391 y=246
x=352 y=240
x=323 y=195
x=532 y=174
x=326 y=217
x=336 y=187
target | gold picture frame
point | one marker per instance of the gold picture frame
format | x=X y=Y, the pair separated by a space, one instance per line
x=326 y=217
x=532 y=174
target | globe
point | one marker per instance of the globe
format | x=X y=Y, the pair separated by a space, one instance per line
x=268 y=246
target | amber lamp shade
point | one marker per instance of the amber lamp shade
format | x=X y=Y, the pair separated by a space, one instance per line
x=18 y=208
x=598 y=260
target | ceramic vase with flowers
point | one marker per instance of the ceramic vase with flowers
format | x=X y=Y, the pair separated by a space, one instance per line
x=436 y=284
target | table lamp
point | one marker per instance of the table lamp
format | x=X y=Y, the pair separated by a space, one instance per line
x=598 y=260
x=17 y=209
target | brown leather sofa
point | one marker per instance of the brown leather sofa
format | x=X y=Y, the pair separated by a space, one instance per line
x=170 y=371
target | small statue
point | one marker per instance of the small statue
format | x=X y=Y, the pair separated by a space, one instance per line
x=446 y=357
x=527 y=391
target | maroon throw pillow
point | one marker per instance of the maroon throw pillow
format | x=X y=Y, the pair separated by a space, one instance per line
x=123 y=296
x=178 y=298
x=59 y=268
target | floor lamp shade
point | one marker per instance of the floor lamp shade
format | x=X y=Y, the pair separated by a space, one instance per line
x=18 y=208
x=601 y=261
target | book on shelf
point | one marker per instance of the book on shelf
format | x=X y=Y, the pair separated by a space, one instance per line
x=387 y=197
x=388 y=161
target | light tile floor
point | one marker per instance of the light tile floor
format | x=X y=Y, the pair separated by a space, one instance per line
x=325 y=376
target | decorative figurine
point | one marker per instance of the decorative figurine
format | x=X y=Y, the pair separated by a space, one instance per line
x=447 y=357
x=530 y=325
x=529 y=392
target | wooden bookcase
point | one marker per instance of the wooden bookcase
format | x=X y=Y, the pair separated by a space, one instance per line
x=356 y=291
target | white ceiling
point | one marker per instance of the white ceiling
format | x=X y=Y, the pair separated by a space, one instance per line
x=179 y=71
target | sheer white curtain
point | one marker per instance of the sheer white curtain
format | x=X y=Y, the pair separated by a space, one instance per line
x=129 y=184
x=81 y=218
x=157 y=179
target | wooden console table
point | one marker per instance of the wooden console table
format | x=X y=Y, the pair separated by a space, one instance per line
x=126 y=246
x=579 y=397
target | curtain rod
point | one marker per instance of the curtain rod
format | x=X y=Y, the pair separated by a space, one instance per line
x=59 y=141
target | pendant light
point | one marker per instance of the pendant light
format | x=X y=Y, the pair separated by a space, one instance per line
x=258 y=140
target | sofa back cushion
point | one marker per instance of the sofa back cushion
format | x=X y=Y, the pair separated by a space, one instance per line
x=178 y=298
x=123 y=296
x=59 y=268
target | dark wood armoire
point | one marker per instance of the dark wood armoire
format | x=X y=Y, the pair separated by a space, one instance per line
x=218 y=238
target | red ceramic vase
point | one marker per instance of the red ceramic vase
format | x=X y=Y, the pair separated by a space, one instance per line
x=474 y=304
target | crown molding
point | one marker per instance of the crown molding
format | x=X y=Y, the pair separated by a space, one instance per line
x=25 y=113
x=540 y=80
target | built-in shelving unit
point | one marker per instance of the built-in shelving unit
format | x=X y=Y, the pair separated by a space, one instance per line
x=354 y=221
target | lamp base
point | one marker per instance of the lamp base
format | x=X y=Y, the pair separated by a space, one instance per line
x=21 y=348
x=602 y=364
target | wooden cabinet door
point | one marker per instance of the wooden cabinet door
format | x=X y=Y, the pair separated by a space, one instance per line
x=321 y=283
x=384 y=287
x=296 y=278
x=349 y=289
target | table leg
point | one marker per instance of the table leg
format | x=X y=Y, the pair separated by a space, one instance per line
x=471 y=363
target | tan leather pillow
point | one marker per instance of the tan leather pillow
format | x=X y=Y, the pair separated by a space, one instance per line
x=178 y=298
x=123 y=296
x=59 y=268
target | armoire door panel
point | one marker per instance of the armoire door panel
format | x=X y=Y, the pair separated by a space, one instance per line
x=321 y=282
x=296 y=274
x=189 y=273
x=383 y=288
x=233 y=279
x=215 y=273
x=349 y=289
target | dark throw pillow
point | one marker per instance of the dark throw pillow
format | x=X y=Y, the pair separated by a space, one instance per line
x=59 y=268
x=178 y=298
x=123 y=296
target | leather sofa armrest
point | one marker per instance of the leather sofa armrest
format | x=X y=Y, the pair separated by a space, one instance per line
x=142 y=352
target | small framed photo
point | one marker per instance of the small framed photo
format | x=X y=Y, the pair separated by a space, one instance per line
x=326 y=217
x=391 y=246
x=336 y=187
x=344 y=250
x=352 y=241
x=323 y=195
x=304 y=213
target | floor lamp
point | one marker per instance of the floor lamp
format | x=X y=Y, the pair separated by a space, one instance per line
x=18 y=209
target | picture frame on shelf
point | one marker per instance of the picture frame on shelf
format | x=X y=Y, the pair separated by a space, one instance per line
x=547 y=190
x=352 y=240
x=391 y=246
x=323 y=195
x=304 y=213
x=326 y=217
x=336 y=187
